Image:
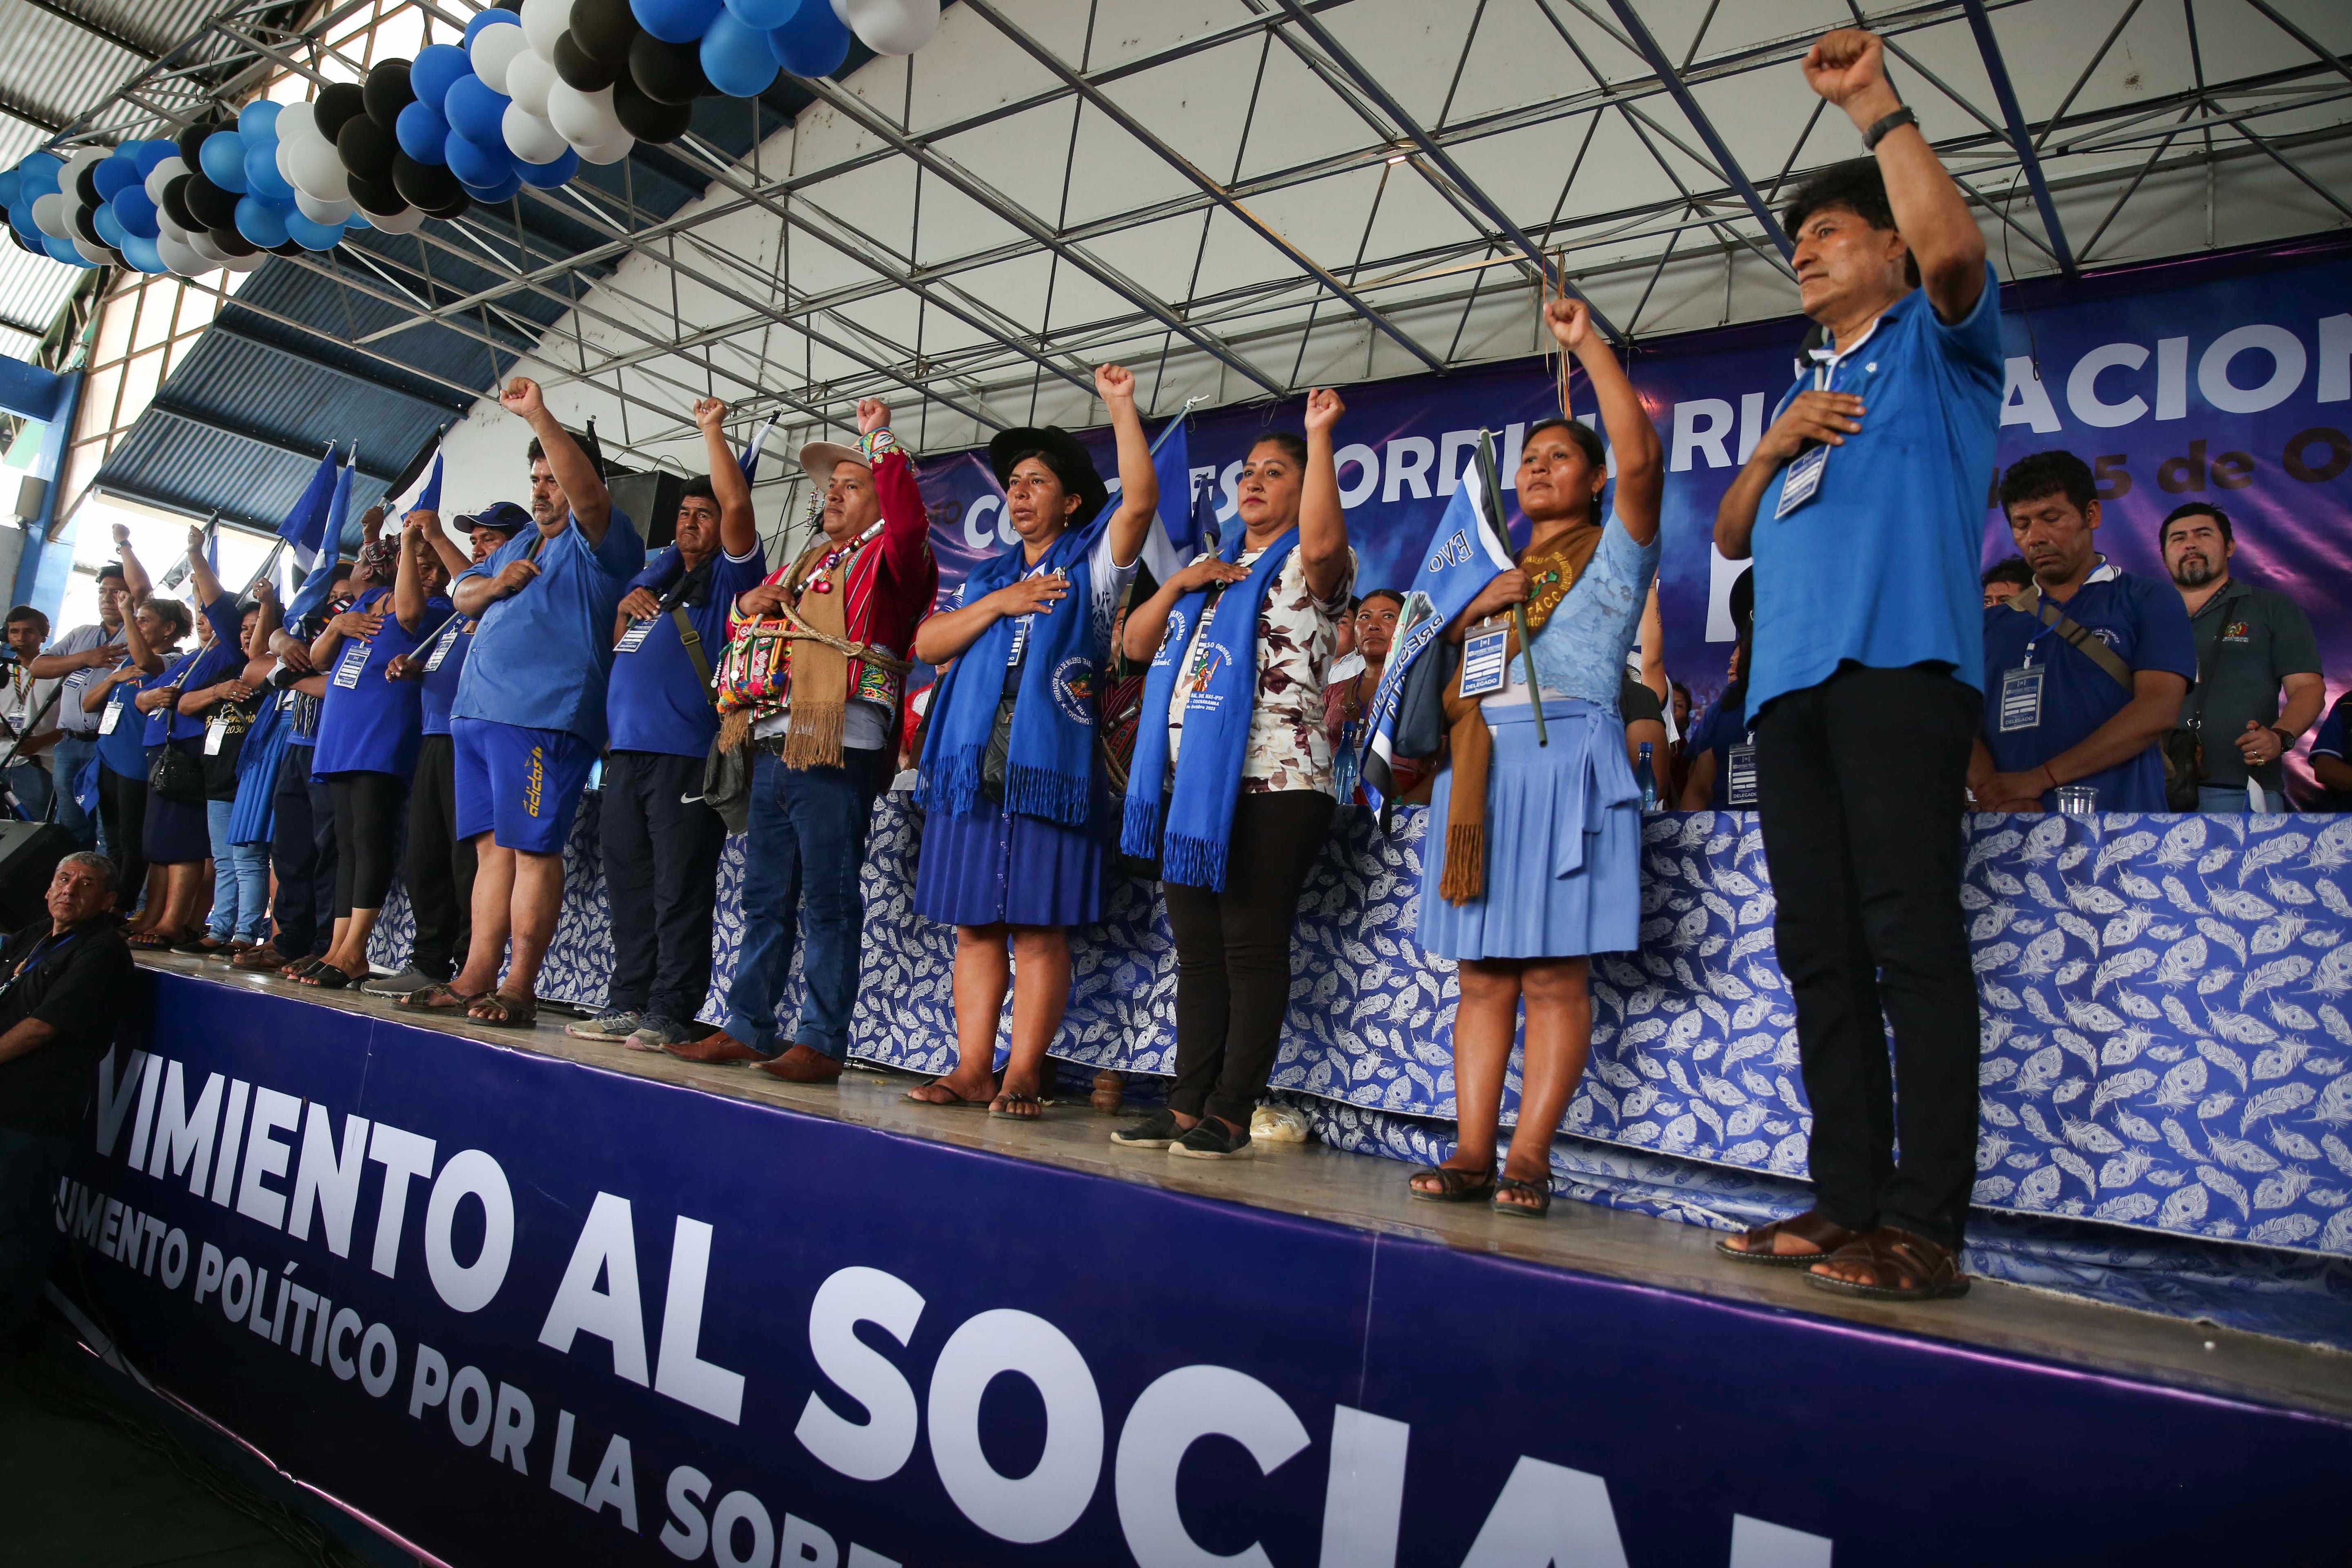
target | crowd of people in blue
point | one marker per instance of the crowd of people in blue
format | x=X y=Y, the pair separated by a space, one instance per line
x=440 y=718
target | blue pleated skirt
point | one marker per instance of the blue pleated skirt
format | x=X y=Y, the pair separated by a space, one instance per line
x=989 y=866
x=1563 y=843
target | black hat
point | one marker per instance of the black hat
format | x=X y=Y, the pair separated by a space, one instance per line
x=1062 y=453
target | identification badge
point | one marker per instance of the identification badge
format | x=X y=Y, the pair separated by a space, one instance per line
x=356 y=657
x=634 y=637
x=214 y=733
x=1483 y=663
x=112 y=717
x=2021 y=700
x=441 y=650
x=1739 y=776
x=1803 y=480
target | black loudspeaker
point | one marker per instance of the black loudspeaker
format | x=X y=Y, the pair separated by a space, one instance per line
x=29 y=853
x=651 y=501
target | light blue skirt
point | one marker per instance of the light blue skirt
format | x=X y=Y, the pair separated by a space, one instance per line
x=1563 y=843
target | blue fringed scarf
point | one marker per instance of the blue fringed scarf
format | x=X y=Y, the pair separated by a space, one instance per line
x=1049 y=767
x=1216 y=726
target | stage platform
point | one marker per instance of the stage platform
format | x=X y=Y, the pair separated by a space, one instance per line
x=654 y=1299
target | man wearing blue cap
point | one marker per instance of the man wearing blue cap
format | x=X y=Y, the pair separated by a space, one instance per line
x=529 y=717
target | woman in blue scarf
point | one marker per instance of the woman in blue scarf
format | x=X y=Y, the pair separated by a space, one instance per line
x=1533 y=858
x=1019 y=817
x=1230 y=784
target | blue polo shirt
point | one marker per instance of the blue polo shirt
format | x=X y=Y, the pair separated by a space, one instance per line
x=1879 y=568
x=2143 y=620
x=1724 y=726
x=445 y=663
x=540 y=657
x=124 y=749
x=207 y=666
x=658 y=702
x=367 y=723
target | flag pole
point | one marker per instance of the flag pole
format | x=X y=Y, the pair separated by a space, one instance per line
x=1490 y=508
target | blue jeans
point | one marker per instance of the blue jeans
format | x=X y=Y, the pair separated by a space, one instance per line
x=2213 y=797
x=807 y=841
x=66 y=760
x=29 y=782
x=240 y=879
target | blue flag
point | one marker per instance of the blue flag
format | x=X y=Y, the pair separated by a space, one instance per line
x=1187 y=524
x=304 y=525
x=321 y=577
x=1463 y=557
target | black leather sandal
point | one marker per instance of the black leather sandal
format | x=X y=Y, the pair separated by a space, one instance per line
x=1540 y=1191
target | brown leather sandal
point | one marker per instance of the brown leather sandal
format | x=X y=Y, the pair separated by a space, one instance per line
x=439 y=998
x=1453 y=1185
x=1756 y=1243
x=1904 y=1266
x=504 y=1009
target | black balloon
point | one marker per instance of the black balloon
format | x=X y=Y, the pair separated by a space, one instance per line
x=85 y=185
x=290 y=248
x=85 y=223
x=337 y=106
x=210 y=206
x=668 y=73
x=456 y=208
x=175 y=202
x=387 y=93
x=646 y=119
x=192 y=142
x=428 y=185
x=229 y=242
x=366 y=147
x=582 y=69
x=605 y=29
x=23 y=244
x=377 y=195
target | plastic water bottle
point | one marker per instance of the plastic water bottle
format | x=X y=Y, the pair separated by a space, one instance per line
x=1647 y=776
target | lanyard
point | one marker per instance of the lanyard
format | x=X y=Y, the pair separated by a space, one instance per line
x=40 y=948
x=2042 y=628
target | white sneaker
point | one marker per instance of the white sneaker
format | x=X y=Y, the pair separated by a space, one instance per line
x=1280 y=1124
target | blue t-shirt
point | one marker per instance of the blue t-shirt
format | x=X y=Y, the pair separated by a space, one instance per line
x=445 y=662
x=369 y=724
x=2143 y=620
x=207 y=666
x=658 y=702
x=1724 y=726
x=544 y=652
x=1879 y=568
x=2330 y=742
x=124 y=751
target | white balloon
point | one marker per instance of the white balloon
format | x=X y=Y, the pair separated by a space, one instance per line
x=891 y=27
x=202 y=243
x=315 y=166
x=70 y=178
x=530 y=138
x=841 y=11
x=180 y=256
x=299 y=123
x=584 y=119
x=247 y=263
x=163 y=174
x=493 y=51
x=407 y=221
x=96 y=255
x=528 y=79
x=611 y=152
x=543 y=21
x=50 y=214
x=317 y=211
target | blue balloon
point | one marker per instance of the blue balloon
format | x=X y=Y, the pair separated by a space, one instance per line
x=136 y=212
x=736 y=58
x=261 y=222
x=312 y=235
x=475 y=164
x=814 y=43
x=503 y=191
x=261 y=176
x=20 y=218
x=153 y=152
x=258 y=121
x=491 y=19
x=421 y=130
x=435 y=71
x=112 y=175
x=223 y=158
x=675 y=21
x=761 y=15
x=63 y=251
x=109 y=227
x=9 y=183
x=476 y=112
x=359 y=219
x=547 y=176
x=36 y=176
x=140 y=252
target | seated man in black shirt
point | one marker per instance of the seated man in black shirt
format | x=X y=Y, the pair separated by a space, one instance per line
x=64 y=983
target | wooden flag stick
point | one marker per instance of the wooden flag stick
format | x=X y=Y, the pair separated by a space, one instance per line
x=1491 y=509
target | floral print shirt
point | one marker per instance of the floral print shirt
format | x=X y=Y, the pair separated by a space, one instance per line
x=1296 y=635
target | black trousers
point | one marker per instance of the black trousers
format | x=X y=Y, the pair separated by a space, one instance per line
x=302 y=853
x=1233 y=953
x=439 y=867
x=122 y=811
x=368 y=810
x=661 y=876
x=1860 y=783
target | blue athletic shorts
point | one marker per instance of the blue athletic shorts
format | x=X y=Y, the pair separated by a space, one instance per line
x=522 y=786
